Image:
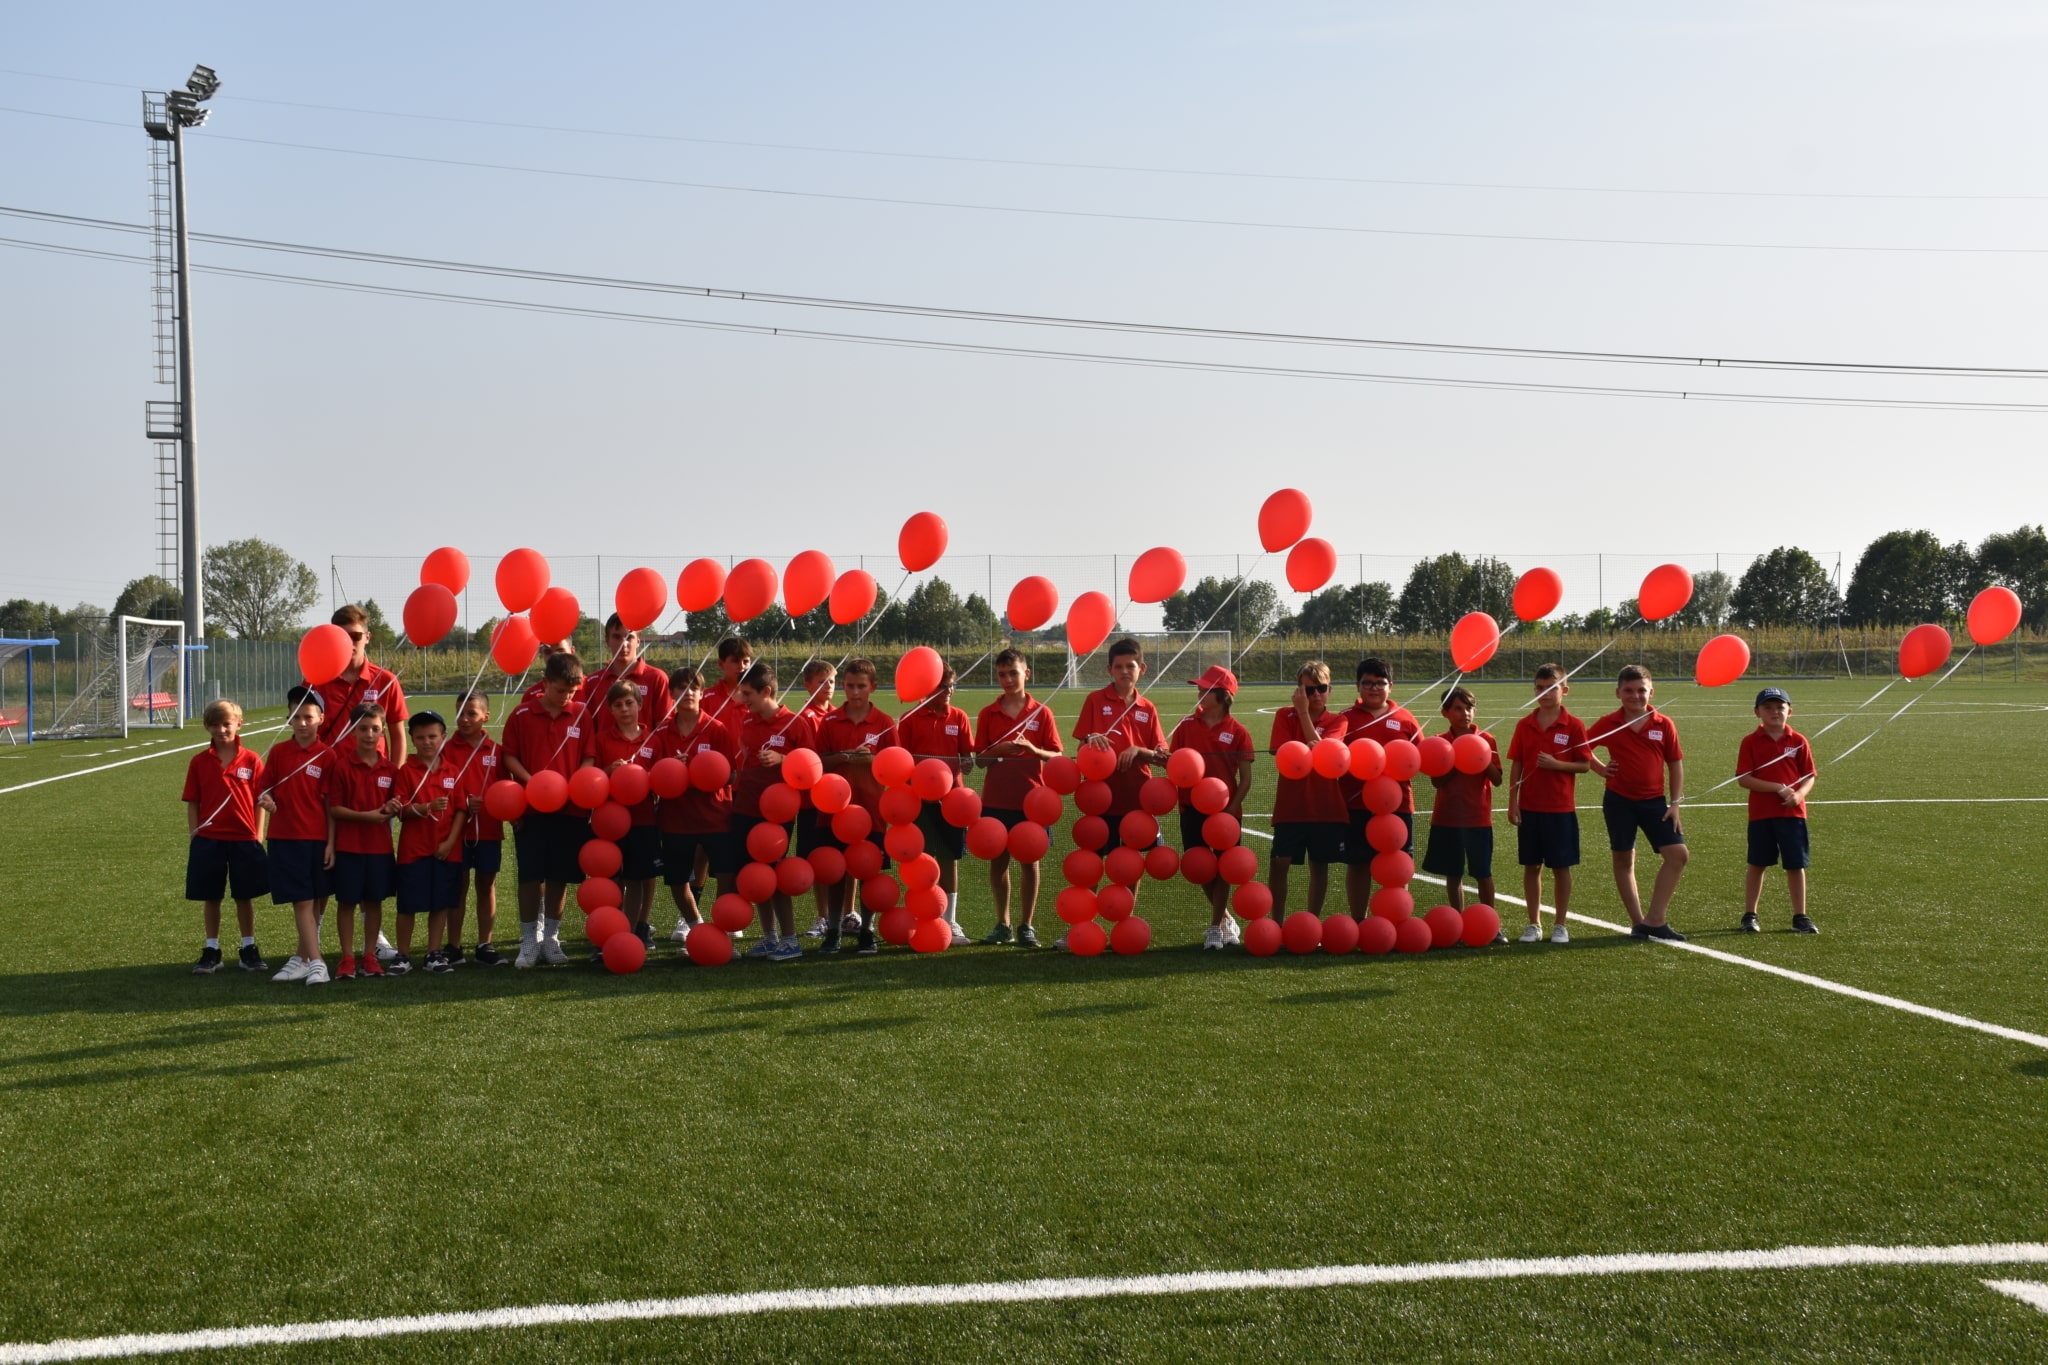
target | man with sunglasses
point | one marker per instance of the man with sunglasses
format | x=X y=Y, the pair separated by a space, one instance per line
x=362 y=682
x=1374 y=717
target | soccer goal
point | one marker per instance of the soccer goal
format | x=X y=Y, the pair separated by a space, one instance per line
x=134 y=679
x=1172 y=655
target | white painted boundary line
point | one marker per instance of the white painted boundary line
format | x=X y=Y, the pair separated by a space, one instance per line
x=122 y=763
x=1028 y=1291
x=2029 y=1292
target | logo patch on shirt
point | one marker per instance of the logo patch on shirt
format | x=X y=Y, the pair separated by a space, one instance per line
x=490 y=760
x=1657 y=734
x=1031 y=724
x=372 y=693
x=1226 y=739
x=1106 y=710
x=575 y=732
x=775 y=741
x=448 y=783
x=242 y=773
x=641 y=687
x=313 y=768
x=1142 y=716
x=1560 y=738
x=646 y=752
x=952 y=729
x=1393 y=724
x=383 y=782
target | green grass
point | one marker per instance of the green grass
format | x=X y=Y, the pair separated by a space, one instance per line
x=195 y=1152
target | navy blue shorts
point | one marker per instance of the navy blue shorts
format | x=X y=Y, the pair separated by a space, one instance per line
x=360 y=878
x=946 y=842
x=1624 y=817
x=429 y=884
x=1315 y=841
x=812 y=832
x=1358 y=851
x=1010 y=818
x=1191 y=822
x=679 y=856
x=641 y=849
x=293 y=867
x=1548 y=838
x=546 y=845
x=214 y=865
x=1116 y=835
x=1457 y=850
x=1782 y=838
x=483 y=855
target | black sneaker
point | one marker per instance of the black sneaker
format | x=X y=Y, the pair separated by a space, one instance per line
x=452 y=955
x=208 y=963
x=831 y=943
x=1027 y=937
x=1802 y=924
x=399 y=965
x=252 y=961
x=438 y=962
x=1665 y=932
x=488 y=956
x=1639 y=931
x=646 y=937
x=867 y=946
x=1749 y=924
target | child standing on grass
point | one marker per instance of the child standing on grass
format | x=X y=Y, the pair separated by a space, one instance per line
x=821 y=682
x=429 y=841
x=696 y=827
x=226 y=852
x=539 y=736
x=361 y=803
x=771 y=733
x=1119 y=719
x=1309 y=820
x=1549 y=752
x=298 y=863
x=471 y=756
x=1374 y=716
x=1776 y=767
x=1643 y=753
x=625 y=742
x=848 y=742
x=1461 y=819
x=935 y=728
x=1013 y=736
x=1226 y=750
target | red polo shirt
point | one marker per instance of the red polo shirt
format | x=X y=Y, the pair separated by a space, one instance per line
x=608 y=746
x=1544 y=789
x=697 y=812
x=1011 y=779
x=838 y=735
x=784 y=732
x=719 y=704
x=650 y=682
x=539 y=740
x=226 y=793
x=1465 y=800
x=362 y=786
x=1127 y=725
x=297 y=780
x=420 y=835
x=930 y=733
x=1787 y=759
x=1222 y=749
x=1636 y=754
x=475 y=772
x=1311 y=799
x=340 y=697
x=1393 y=723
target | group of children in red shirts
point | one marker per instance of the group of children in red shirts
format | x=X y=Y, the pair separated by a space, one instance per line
x=357 y=759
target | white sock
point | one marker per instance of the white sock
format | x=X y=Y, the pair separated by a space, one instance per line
x=953 y=908
x=529 y=931
x=248 y=940
x=214 y=944
x=551 y=926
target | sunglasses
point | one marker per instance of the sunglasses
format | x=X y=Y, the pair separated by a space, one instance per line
x=1315 y=687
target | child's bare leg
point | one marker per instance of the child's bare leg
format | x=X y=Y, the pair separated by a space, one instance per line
x=1675 y=858
x=309 y=930
x=785 y=914
x=404 y=933
x=486 y=907
x=1532 y=892
x=373 y=924
x=1218 y=892
x=1318 y=887
x=1454 y=893
x=1027 y=892
x=999 y=886
x=209 y=918
x=1562 y=877
x=1487 y=888
x=1276 y=882
x=437 y=929
x=1358 y=889
x=1625 y=885
x=1795 y=887
x=345 y=929
x=686 y=904
x=1753 y=887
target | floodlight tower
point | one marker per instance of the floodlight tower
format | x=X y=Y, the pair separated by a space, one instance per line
x=165 y=116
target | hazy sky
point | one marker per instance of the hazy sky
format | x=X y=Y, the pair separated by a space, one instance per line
x=345 y=423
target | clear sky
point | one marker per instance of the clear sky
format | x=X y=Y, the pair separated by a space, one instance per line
x=345 y=423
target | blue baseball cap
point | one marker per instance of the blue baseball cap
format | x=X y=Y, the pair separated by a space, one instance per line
x=1773 y=694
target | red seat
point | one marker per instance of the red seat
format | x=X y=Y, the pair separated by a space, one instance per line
x=154 y=701
x=8 y=723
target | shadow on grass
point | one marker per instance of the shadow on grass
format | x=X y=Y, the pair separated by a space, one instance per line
x=173 y=1071
x=1343 y=997
x=1094 y=1011
x=205 y=1034
x=2037 y=1067
x=839 y=1026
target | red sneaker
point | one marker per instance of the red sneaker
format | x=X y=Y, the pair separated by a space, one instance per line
x=347 y=970
x=371 y=966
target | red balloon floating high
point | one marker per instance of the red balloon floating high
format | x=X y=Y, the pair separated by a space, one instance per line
x=448 y=567
x=1310 y=564
x=522 y=577
x=853 y=596
x=639 y=598
x=1089 y=620
x=430 y=614
x=1284 y=519
x=323 y=652
x=1722 y=660
x=1474 y=639
x=922 y=541
x=700 y=585
x=806 y=582
x=1665 y=591
x=1537 y=593
x=555 y=615
x=1157 y=574
x=1994 y=614
x=513 y=644
x=749 y=590
x=1924 y=649
x=1032 y=602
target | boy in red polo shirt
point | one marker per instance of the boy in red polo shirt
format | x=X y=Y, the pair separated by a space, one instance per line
x=1549 y=752
x=540 y=736
x=1642 y=751
x=472 y=755
x=735 y=657
x=1461 y=818
x=696 y=827
x=359 y=683
x=1309 y=815
x=1775 y=765
x=626 y=742
x=1013 y=736
x=429 y=879
x=848 y=742
x=1119 y=719
x=293 y=788
x=624 y=664
x=1226 y=750
x=821 y=681
x=1374 y=716
x=361 y=802
x=226 y=851
x=770 y=733
x=935 y=728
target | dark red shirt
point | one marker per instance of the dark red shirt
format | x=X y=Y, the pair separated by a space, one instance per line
x=1311 y=799
x=340 y=697
x=697 y=812
x=650 y=682
x=1545 y=789
x=226 y=793
x=539 y=740
x=873 y=732
x=1636 y=754
x=1787 y=759
x=362 y=786
x=930 y=733
x=784 y=732
x=475 y=771
x=608 y=746
x=296 y=780
x=1127 y=724
x=1465 y=800
x=419 y=836
x=1393 y=723
x=1011 y=779
x=1223 y=749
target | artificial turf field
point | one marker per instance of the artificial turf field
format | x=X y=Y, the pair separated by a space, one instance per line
x=191 y=1152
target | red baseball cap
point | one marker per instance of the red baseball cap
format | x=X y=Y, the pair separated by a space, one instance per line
x=1217 y=677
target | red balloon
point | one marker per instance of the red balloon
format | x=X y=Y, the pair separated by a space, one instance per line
x=1093 y=798
x=1393 y=902
x=1089 y=621
x=1340 y=933
x=1722 y=660
x=925 y=902
x=1115 y=902
x=446 y=567
x=1438 y=755
x=522 y=577
x=1237 y=865
x=1665 y=591
x=1198 y=865
x=1537 y=594
x=801 y=768
x=1330 y=758
x=1262 y=937
x=793 y=876
x=931 y=779
x=1301 y=932
x=1210 y=795
x=1124 y=866
x=903 y=842
x=670 y=778
x=853 y=596
x=766 y=842
x=1043 y=805
x=919 y=869
x=960 y=807
x=1082 y=867
x=710 y=771
x=806 y=582
x=708 y=945
x=624 y=954
x=1185 y=767
x=1130 y=936
x=780 y=803
x=1293 y=760
x=639 y=598
x=429 y=615
x=1032 y=602
x=922 y=541
x=931 y=936
x=700 y=585
x=749 y=590
x=1221 y=831
x=831 y=793
x=555 y=615
x=1994 y=614
x=1140 y=830
x=1924 y=649
x=599 y=858
x=1446 y=926
x=601 y=924
x=756 y=881
x=1382 y=795
x=1157 y=575
x=1471 y=754
x=1310 y=564
x=594 y=893
x=323 y=652
x=1091 y=832
x=1394 y=869
x=1158 y=795
x=513 y=644
x=1161 y=863
x=589 y=787
x=1376 y=935
x=1368 y=759
x=900 y=806
x=1062 y=774
x=1252 y=900
x=732 y=912
x=629 y=785
x=863 y=857
x=1029 y=842
x=893 y=766
x=1474 y=639
x=895 y=926
x=548 y=791
x=852 y=825
x=1284 y=519
x=1087 y=940
x=505 y=800
x=879 y=893
x=1386 y=833
x=1413 y=936
x=611 y=821
x=1074 y=904
x=828 y=866
x=1482 y=924
x=1096 y=763
x=1404 y=760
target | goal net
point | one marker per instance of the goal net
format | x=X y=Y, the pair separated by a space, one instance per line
x=133 y=679
x=1170 y=656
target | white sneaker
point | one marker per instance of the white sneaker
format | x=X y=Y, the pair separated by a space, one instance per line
x=529 y=953
x=385 y=950
x=552 y=954
x=1558 y=935
x=680 y=932
x=1060 y=943
x=960 y=939
x=818 y=928
x=316 y=974
x=1231 y=937
x=1532 y=934
x=295 y=968
x=850 y=924
x=1213 y=940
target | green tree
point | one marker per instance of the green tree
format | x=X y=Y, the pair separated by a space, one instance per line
x=1490 y=587
x=1709 y=604
x=83 y=619
x=151 y=597
x=2018 y=560
x=1441 y=590
x=1786 y=587
x=257 y=591
x=380 y=629
x=22 y=618
x=1364 y=607
x=1254 y=607
x=1906 y=577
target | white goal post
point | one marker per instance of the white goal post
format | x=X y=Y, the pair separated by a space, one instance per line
x=151 y=657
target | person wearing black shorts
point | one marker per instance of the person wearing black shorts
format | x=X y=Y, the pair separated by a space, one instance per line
x=1643 y=754
x=1775 y=766
x=1548 y=752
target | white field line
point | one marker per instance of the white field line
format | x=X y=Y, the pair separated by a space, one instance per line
x=2030 y=1292
x=1030 y=1291
x=1838 y=801
x=122 y=763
